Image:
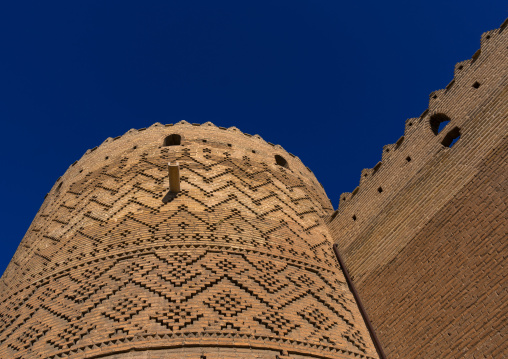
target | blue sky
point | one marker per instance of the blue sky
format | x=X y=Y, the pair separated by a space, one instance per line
x=330 y=81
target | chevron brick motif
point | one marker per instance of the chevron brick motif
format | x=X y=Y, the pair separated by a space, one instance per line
x=240 y=257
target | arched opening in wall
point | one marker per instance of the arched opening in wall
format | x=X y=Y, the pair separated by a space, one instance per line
x=281 y=161
x=438 y=122
x=451 y=137
x=173 y=140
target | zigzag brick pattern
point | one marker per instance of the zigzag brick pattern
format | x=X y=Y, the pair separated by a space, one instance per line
x=237 y=264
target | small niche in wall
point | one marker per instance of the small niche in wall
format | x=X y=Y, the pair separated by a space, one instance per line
x=438 y=122
x=354 y=217
x=281 y=161
x=451 y=137
x=380 y=189
x=408 y=159
x=476 y=84
x=173 y=140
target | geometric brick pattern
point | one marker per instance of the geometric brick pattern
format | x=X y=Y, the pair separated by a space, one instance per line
x=240 y=258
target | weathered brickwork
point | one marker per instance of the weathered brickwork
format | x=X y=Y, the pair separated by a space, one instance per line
x=424 y=235
x=237 y=264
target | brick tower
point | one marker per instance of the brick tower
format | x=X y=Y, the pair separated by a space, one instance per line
x=237 y=264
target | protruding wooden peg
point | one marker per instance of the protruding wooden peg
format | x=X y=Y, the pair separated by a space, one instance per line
x=174 y=177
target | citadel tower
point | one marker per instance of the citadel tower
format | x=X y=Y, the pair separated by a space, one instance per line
x=236 y=264
x=239 y=262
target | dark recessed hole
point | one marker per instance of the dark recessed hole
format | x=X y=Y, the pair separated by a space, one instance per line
x=80 y=171
x=354 y=217
x=399 y=142
x=410 y=124
x=434 y=97
x=173 y=140
x=438 y=122
x=204 y=141
x=380 y=190
x=253 y=151
x=134 y=147
x=408 y=159
x=460 y=67
x=334 y=214
x=487 y=37
x=59 y=186
x=107 y=157
x=343 y=198
x=281 y=161
x=451 y=137
x=387 y=150
x=376 y=167
x=476 y=85
x=365 y=175
x=229 y=145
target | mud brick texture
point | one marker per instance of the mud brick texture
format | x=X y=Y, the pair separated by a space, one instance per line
x=238 y=264
x=424 y=236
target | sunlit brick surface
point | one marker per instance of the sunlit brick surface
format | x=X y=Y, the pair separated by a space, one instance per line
x=428 y=252
x=237 y=265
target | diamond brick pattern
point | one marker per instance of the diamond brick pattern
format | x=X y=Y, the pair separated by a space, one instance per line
x=113 y=262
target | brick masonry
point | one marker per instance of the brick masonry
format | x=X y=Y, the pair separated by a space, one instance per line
x=237 y=264
x=240 y=262
x=424 y=235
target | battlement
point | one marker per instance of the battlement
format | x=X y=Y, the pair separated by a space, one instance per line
x=469 y=76
x=422 y=235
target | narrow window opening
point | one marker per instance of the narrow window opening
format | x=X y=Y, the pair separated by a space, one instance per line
x=377 y=167
x=438 y=122
x=173 y=140
x=59 y=186
x=354 y=217
x=253 y=151
x=460 y=67
x=451 y=137
x=107 y=157
x=281 y=161
x=476 y=84
x=343 y=198
x=229 y=145
x=380 y=189
x=134 y=147
x=204 y=141
x=334 y=215
x=408 y=159
x=399 y=142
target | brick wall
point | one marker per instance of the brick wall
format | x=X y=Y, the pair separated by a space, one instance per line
x=424 y=235
x=237 y=264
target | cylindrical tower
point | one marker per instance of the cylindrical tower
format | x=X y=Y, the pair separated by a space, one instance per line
x=238 y=264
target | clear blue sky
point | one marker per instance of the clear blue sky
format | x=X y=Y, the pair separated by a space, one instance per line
x=330 y=81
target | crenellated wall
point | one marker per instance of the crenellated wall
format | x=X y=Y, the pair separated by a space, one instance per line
x=424 y=234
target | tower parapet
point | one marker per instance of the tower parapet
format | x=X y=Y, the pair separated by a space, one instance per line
x=238 y=263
